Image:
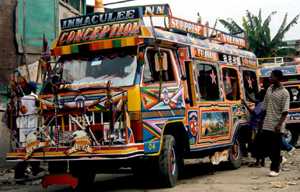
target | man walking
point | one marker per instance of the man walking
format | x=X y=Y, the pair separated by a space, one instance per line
x=276 y=104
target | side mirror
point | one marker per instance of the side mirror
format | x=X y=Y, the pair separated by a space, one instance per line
x=161 y=61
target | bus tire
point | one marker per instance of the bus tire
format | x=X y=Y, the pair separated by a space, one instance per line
x=295 y=137
x=168 y=162
x=235 y=155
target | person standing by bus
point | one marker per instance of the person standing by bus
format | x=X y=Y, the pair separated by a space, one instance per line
x=276 y=104
x=255 y=124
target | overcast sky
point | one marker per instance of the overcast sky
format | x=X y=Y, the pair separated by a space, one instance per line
x=210 y=10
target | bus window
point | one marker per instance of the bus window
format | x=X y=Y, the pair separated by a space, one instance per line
x=152 y=75
x=250 y=85
x=231 y=84
x=207 y=82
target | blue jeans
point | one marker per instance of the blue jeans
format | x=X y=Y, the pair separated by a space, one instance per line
x=285 y=145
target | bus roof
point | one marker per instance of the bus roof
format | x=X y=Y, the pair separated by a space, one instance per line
x=127 y=26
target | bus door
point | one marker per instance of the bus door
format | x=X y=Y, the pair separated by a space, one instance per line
x=210 y=110
x=233 y=93
x=161 y=95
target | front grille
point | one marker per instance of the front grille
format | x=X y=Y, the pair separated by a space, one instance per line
x=97 y=125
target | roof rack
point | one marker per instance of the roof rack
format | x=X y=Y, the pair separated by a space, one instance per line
x=275 y=61
x=171 y=23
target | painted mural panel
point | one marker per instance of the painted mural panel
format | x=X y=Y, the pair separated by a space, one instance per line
x=215 y=123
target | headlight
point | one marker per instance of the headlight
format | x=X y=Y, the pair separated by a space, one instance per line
x=295 y=94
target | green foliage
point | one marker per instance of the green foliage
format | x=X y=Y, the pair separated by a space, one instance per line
x=257 y=32
x=286 y=52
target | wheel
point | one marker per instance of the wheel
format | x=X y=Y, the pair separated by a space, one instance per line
x=294 y=137
x=288 y=136
x=168 y=162
x=235 y=160
x=84 y=173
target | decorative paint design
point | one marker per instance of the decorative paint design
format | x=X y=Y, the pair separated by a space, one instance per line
x=96 y=45
x=94 y=101
x=152 y=129
x=203 y=54
x=127 y=151
x=98 y=19
x=114 y=30
x=171 y=98
x=152 y=147
x=193 y=122
x=238 y=112
x=195 y=42
x=215 y=123
x=213 y=77
x=81 y=142
x=157 y=113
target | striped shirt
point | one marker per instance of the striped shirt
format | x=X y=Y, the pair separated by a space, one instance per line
x=277 y=101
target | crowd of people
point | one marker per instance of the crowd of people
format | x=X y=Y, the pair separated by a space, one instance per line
x=268 y=135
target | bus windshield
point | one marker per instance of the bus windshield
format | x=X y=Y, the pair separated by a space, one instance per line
x=97 y=70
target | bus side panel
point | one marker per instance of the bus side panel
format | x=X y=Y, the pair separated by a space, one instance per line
x=157 y=113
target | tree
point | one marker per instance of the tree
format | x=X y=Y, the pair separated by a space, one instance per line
x=257 y=32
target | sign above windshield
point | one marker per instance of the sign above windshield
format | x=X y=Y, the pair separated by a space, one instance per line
x=98 y=19
x=117 y=15
x=113 y=30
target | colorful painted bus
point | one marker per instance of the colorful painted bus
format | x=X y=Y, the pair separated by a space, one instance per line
x=137 y=87
x=291 y=72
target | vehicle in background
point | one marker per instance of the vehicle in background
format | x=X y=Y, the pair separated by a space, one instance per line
x=291 y=72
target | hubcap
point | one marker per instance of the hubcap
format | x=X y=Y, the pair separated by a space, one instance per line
x=172 y=163
x=235 y=151
x=288 y=136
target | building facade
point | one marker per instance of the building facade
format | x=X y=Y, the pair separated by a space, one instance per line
x=295 y=44
x=36 y=18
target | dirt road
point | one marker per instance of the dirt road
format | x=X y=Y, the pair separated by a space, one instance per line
x=198 y=177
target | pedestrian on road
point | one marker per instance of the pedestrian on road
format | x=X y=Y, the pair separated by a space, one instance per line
x=287 y=146
x=255 y=124
x=276 y=104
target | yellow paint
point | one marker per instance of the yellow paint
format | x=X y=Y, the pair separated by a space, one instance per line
x=129 y=41
x=107 y=44
x=99 y=7
x=192 y=83
x=66 y=50
x=54 y=43
x=77 y=154
x=145 y=32
x=134 y=99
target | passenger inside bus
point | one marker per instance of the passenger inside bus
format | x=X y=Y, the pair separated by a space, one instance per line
x=207 y=82
x=250 y=85
x=231 y=84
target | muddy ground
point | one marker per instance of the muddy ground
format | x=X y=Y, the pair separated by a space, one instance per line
x=198 y=176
